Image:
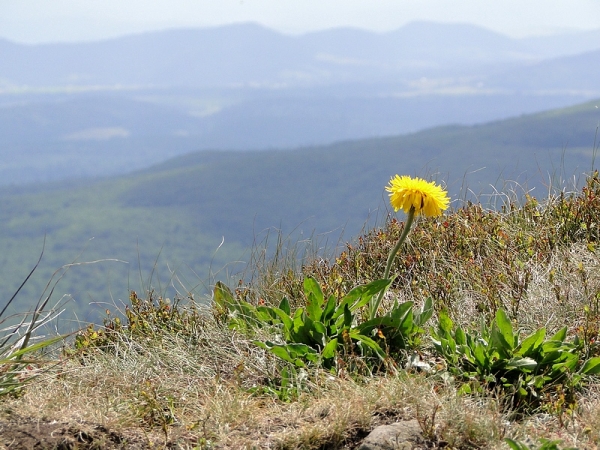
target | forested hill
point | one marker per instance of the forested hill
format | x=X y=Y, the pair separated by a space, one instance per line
x=169 y=221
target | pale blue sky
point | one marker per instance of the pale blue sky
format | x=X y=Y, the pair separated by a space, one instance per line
x=34 y=21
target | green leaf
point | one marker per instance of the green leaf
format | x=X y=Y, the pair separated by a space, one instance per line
x=567 y=361
x=287 y=321
x=361 y=295
x=591 y=366
x=262 y=344
x=347 y=317
x=368 y=342
x=319 y=328
x=460 y=337
x=328 y=311
x=314 y=298
x=330 y=349
x=527 y=364
x=514 y=445
x=293 y=353
x=498 y=343
x=450 y=346
x=531 y=344
x=223 y=297
x=298 y=318
x=29 y=349
x=571 y=361
x=378 y=322
x=424 y=313
x=285 y=378
x=311 y=286
x=283 y=353
x=550 y=357
x=465 y=389
x=285 y=306
x=245 y=315
x=265 y=314
x=299 y=332
x=560 y=335
x=479 y=353
x=297 y=349
x=539 y=381
x=505 y=327
x=555 y=341
x=444 y=322
x=400 y=314
x=311 y=329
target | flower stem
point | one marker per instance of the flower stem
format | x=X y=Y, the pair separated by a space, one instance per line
x=388 y=267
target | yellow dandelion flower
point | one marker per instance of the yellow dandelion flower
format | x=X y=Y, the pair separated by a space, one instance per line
x=415 y=196
x=425 y=197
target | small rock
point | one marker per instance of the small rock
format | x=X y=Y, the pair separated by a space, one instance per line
x=397 y=436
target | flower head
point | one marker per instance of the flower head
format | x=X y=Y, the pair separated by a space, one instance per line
x=425 y=197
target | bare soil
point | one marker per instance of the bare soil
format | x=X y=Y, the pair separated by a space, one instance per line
x=37 y=434
x=30 y=434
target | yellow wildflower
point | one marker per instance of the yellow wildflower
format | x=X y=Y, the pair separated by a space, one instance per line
x=425 y=197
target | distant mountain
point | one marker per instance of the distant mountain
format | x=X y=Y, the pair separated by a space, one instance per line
x=104 y=108
x=250 y=55
x=563 y=44
x=80 y=137
x=298 y=121
x=575 y=74
x=99 y=135
x=203 y=57
x=83 y=117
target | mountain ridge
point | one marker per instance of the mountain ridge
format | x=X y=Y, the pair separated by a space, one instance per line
x=249 y=53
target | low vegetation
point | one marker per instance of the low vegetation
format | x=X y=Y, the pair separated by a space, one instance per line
x=485 y=332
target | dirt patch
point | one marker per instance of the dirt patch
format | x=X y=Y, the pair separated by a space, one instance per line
x=29 y=434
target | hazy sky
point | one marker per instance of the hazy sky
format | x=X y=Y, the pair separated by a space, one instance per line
x=34 y=21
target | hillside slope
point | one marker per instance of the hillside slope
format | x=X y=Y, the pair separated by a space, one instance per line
x=175 y=216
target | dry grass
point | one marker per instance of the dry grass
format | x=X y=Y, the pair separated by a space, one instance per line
x=175 y=391
x=179 y=374
x=160 y=398
x=207 y=412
